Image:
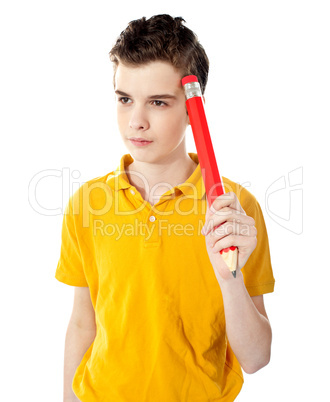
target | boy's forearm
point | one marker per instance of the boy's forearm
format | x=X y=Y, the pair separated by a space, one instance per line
x=77 y=342
x=249 y=332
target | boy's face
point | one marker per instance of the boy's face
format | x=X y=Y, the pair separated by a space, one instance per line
x=151 y=105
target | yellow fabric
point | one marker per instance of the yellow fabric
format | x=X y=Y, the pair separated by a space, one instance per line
x=161 y=332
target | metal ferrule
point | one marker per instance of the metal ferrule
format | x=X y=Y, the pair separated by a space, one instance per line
x=192 y=89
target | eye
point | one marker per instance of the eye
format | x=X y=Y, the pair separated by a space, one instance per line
x=159 y=103
x=124 y=100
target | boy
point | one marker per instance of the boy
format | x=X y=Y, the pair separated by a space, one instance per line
x=157 y=315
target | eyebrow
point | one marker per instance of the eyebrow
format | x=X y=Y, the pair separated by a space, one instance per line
x=152 y=97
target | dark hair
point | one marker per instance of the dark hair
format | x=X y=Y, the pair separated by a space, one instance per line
x=162 y=38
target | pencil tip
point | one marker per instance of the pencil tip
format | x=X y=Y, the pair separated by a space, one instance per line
x=234 y=273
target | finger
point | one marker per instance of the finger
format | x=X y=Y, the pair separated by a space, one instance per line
x=226 y=215
x=226 y=200
x=230 y=228
x=221 y=216
x=234 y=240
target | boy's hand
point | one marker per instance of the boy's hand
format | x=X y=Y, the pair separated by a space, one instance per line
x=226 y=225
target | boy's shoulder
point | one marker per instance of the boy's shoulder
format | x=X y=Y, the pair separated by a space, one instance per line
x=93 y=193
x=116 y=179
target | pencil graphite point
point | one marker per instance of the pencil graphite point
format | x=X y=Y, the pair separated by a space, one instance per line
x=234 y=273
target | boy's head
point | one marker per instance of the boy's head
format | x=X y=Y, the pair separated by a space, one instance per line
x=161 y=38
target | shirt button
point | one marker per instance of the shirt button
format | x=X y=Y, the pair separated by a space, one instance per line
x=132 y=192
x=152 y=218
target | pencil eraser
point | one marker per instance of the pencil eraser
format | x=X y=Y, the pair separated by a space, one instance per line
x=189 y=78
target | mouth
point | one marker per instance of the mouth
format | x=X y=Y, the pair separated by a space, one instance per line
x=140 y=141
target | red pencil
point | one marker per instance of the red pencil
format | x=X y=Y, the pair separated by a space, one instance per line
x=208 y=164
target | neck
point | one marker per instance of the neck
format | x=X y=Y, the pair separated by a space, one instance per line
x=152 y=180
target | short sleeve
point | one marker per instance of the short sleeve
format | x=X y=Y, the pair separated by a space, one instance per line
x=70 y=265
x=257 y=272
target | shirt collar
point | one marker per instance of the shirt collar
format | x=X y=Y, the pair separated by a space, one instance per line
x=193 y=187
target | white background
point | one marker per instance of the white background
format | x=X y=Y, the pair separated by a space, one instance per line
x=268 y=109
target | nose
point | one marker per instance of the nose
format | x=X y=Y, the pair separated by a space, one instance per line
x=139 y=119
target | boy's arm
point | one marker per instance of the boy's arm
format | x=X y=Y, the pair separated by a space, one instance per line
x=247 y=326
x=79 y=336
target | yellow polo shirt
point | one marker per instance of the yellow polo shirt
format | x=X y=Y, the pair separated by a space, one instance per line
x=161 y=332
